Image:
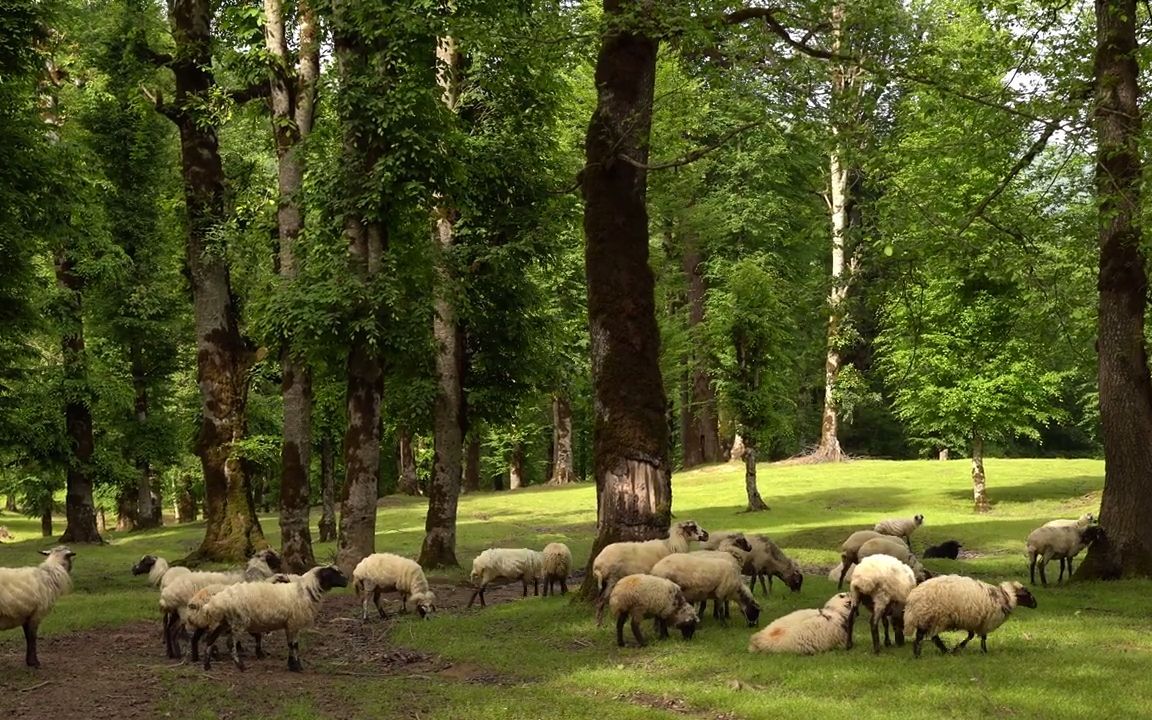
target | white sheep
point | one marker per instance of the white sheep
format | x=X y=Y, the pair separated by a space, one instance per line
x=765 y=561
x=849 y=550
x=895 y=548
x=1081 y=522
x=620 y=559
x=160 y=573
x=956 y=602
x=557 y=566
x=261 y=607
x=384 y=572
x=513 y=564
x=1055 y=542
x=28 y=594
x=900 y=527
x=807 y=632
x=881 y=583
x=638 y=596
x=707 y=575
x=835 y=572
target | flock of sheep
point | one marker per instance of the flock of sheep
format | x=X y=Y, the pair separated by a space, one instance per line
x=660 y=579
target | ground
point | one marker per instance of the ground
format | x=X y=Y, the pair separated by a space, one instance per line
x=1087 y=646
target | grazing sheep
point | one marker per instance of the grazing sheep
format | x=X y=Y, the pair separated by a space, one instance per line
x=1081 y=522
x=850 y=549
x=895 y=548
x=557 y=566
x=506 y=564
x=900 y=527
x=710 y=574
x=955 y=602
x=948 y=549
x=384 y=572
x=1063 y=543
x=639 y=596
x=807 y=632
x=629 y=558
x=27 y=595
x=766 y=560
x=881 y=583
x=260 y=607
x=160 y=573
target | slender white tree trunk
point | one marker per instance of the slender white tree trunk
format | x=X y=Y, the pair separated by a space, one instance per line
x=979 y=488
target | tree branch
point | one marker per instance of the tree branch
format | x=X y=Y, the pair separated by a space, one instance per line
x=695 y=154
x=254 y=91
x=157 y=99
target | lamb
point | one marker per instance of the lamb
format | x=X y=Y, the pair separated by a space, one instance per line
x=27 y=595
x=881 y=583
x=557 y=566
x=1064 y=543
x=620 y=559
x=160 y=573
x=506 y=564
x=258 y=608
x=711 y=574
x=900 y=527
x=948 y=549
x=807 y=632
x=766 y=560
x=385 y=572
x=955 y=602
x=1081 y=522
x=640 y=595
x=895 y=548
x=850 y=550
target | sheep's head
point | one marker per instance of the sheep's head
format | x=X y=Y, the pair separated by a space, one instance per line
x=270 y=558
x=1023 y=597
x=839 y=605
x=793 y=579
x=144 y=565
x=919 y=520
x=752 y=613
x=739 y=541
x=62 y=555
x=684 y=616
x=691 y=531
x=1091 y=534
x=330 y=576
x=425 y=603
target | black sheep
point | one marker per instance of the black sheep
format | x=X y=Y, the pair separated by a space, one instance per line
x=948 y=549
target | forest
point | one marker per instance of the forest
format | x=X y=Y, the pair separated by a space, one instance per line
x=285 y=259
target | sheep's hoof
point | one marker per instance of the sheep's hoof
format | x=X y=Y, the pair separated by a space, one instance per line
x=295 y=666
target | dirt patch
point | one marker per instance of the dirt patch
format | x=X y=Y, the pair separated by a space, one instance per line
x=671 y=704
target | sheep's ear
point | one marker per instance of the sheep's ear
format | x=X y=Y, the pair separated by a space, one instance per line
x=45 y=552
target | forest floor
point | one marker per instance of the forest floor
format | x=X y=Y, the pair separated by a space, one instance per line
x=1086 y=648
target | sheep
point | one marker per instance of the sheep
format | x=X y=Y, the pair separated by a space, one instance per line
x=557 y=566
x=900 y=527
x=766 y=560
x=1081 y=522
x=27 y=595
x=807 y=632
x=881 y=583
x=384 y=572
x=174 y=596
x=850 y=549
x=1065 y=543
x=710 y=574
x=956 y=602
x=258 y=608
x=834 y=573
x=619 y=559
x=160 y=573
x=948 y=549
x=508 y=564
x=641 y=595
x=895 y=548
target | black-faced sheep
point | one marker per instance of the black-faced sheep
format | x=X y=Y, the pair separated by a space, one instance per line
x=638 y=596
x=160 y=573
x=1056 y=542
x=384 y=572
x=28 y=594
x=955 y=602
x=807 y=632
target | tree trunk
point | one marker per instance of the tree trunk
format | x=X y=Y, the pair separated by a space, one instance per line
x=46 y=522
x=232 y=530
x=127 y=518
x=943 y=454
x=516 y=467
x=439 y=549
x=10 y=503
x=409 y=482
x=700 y=436
x=144 y=515
x=185 y=502
x=561 y=441
x=292 y=104
x=755 y=502
x=1124 y=383
x=79 y=506
x=472 y=464
x=357 y=537
x=630 y=437
x=327 y=490
x=979 y=490
x=738 y=449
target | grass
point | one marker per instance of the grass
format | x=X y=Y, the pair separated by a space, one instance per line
x=1087 y=646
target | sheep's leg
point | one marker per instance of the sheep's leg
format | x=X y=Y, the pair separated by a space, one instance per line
x=257 y=640
x=30 y=658
x=195 y=651
x=939 y=643
x=547 y=585
x=293 y=652
x=636 y=632
x=898 y=631
x=563 y=586
x=843 y=571
x=601 y=601
x=662 y=628
x=379 y=604
x=918 y=642
x=850 y=625
x=887 y=624
x=168 y=635
x=209 y=642
x=234 y=649
x=535 y=587
x=984 y=643
x=874 y=626
x=1043 y=575
x=715 y=609
x=620 y=620
x=475 y=594
x=1032 y=567
x=524 y=581
x=483 y=602
x=962 y=643
x=767 y=590
x=1069 y=569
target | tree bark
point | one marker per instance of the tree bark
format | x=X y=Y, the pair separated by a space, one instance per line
x=561 y=441
x=327 y=489
x=700 y=436
x=755 y=502
x=630 y=437
x=439 y=549
x=516 y=466
x=738 y=449
x=185 y=502
x=292 y=104
x=79 y=506
x=979 y=488
x=127 y=518
x=1124 y=383
x=46 y=522
x=145 y=515
x=222 y=361
x=10 y=503
x=408 y=482
x=472 y=464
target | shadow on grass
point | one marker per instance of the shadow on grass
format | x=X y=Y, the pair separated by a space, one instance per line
x=1069 y=490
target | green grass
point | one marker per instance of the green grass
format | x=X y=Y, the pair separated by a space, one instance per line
x=1086 y=647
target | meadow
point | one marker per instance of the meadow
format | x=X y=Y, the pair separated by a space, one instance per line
x=1087 y=646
